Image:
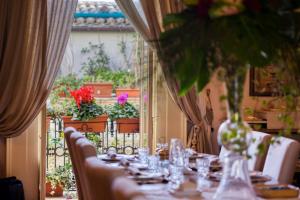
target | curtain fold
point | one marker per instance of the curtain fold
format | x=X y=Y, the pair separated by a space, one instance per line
x=33 y=37
x=200 y=136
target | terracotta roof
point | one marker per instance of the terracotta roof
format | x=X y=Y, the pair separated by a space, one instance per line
x=99 y=16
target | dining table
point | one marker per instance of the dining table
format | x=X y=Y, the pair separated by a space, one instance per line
x=154 y=189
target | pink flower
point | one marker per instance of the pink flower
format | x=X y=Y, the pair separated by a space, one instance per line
x=122 y=99
x=145 y=97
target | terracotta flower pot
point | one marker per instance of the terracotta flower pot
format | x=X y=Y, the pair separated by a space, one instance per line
x=128 y=125
x=101 y=89
x=96 y=125
x=54 y=192
x=135 y=92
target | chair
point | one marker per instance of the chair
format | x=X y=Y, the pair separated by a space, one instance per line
x=256 y=162
x=100 y=179
x=84 y=149
x=281 y=160
x=71 y=132
x=130 y=192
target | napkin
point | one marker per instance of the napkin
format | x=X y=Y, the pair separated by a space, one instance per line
x=134 y=171
x=111 y=155
x=124 y=162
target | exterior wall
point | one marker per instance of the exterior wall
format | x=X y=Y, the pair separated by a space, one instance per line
x=73 y=58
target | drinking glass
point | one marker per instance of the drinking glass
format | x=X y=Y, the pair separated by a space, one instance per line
x=143 y=154
x=176 y=153
x=161 y=142
x=187 y=154
x=202 y=166
x=153 y=162
x=176 y=160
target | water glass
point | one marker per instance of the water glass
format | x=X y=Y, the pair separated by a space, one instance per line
x=153 y=162
x=202 y=166
x=176 y=153
x=143 y=154
x=160 y=143
x=176 y=177
x=164 y=167
x=187 y=154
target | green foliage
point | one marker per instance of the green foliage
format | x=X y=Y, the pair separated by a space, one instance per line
x=123 y=51
x=59 y=107
x=234 y=136
x=96 y=68
x=86 y=111
x=62 y=175
x=64 y=84
x=119 y=78
x=118 y=111
x=195 y=46
x=97 y=61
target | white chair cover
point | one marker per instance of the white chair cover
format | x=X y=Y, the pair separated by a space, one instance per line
x=256 y=162
x=281 y=160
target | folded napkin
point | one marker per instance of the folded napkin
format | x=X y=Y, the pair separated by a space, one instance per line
x=124 y=162
x=134 y=171
x=111 y=155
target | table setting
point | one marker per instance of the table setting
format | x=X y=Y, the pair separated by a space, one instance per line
x=176 y=172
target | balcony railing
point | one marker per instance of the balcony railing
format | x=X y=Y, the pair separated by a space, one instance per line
x=124 y=137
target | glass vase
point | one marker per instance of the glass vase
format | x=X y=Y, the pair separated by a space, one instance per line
x=235 y=182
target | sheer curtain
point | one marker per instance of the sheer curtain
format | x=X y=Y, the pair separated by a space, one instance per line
x=33 y=37
x=146 y=16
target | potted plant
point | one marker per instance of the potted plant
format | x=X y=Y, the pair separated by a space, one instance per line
x=87 y=116
x=97 y=64
x=64 y=84
x=58 y=180
x=100 y=89
x=125 y=115
x=132 y=92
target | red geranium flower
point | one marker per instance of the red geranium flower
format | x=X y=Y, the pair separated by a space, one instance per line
x=83 y=95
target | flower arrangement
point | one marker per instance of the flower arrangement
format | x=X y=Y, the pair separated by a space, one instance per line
x=231 y=34
x=122 y=109
x=85 y=107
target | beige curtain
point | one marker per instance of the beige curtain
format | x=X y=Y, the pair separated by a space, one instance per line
x=154 y=11
x=33 y=37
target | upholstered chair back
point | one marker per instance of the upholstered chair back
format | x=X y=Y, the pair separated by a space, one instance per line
x=257 y=160
x=84 y=149
x=72 y=133
x=130 y=192
x=100 y=178
x=281 y=160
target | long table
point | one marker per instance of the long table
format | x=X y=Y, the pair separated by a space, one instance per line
x=159 y=191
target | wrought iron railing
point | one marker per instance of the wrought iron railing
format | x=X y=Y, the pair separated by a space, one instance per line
x=111 y=137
